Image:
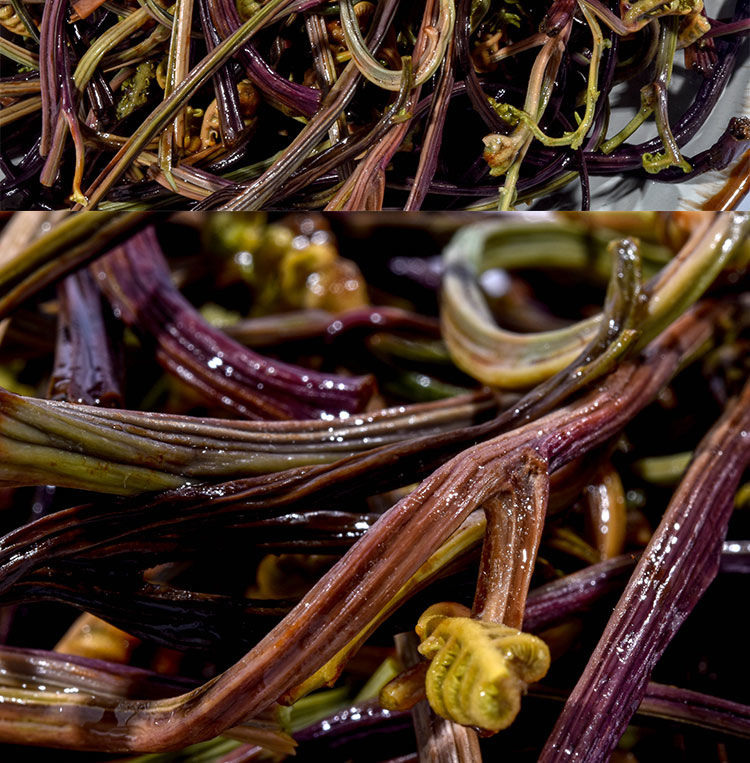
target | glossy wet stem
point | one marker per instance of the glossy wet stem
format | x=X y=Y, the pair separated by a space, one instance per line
x=357 y=587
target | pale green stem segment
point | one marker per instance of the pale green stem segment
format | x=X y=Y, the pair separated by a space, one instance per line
x=515 y=361
x=162 y=15
x=31 y=716
x=18 y=54
x=45 y=442
x=20 y=109
x=55 y=245
x=137 y=53
x=645 y=111
x=388 y=79
x=178 y=65
x=20 y=9
x=663 y=470
x=671 y=156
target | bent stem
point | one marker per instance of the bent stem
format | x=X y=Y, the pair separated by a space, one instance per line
x=511 y=360
x=426 y=64
x=671 y=156
x=370 y=574
x=137 y=281
x=515 y=520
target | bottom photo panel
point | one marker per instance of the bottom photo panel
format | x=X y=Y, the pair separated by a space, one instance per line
x=374 y=487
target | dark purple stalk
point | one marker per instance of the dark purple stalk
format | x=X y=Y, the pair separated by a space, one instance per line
x=465 y=64
x=52 y=24
x=233 y=157
x=309 y=324
x=718 y=29
x=28 y=76
x=366 y=718
x=583 y=174
x=223 y=626
x=87 y=368
x=679 y=707
x=697 y=709
x=102 y=102
x=279 y=90
x=137 y=281
x=548 y=173
x=147 y=536
x=61 y=89
x=556 y=167
x=31 y=159
x=225 y=85
x=86 y=674
x=7 y=168
x=558 y=17
x=445 y=188
x=677 y=567
x=701 y=55
x=86 y=364
x=577 y=592
x=428 y=157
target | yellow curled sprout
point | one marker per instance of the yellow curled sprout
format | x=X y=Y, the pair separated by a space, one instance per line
x=478 y=670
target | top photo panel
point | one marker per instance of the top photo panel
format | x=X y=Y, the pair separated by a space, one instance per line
x=377 y=104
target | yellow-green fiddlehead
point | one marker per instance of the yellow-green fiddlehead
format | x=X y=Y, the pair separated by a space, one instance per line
x=478 y=670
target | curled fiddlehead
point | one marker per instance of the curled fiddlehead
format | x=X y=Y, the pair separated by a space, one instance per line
x=478 y=670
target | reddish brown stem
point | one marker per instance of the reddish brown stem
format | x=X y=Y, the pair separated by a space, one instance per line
x=438 y=739
x=515 y=519
x=369 y=575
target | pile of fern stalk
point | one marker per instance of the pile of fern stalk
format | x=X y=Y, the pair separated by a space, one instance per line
x=239 y=105
x=209 y=547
